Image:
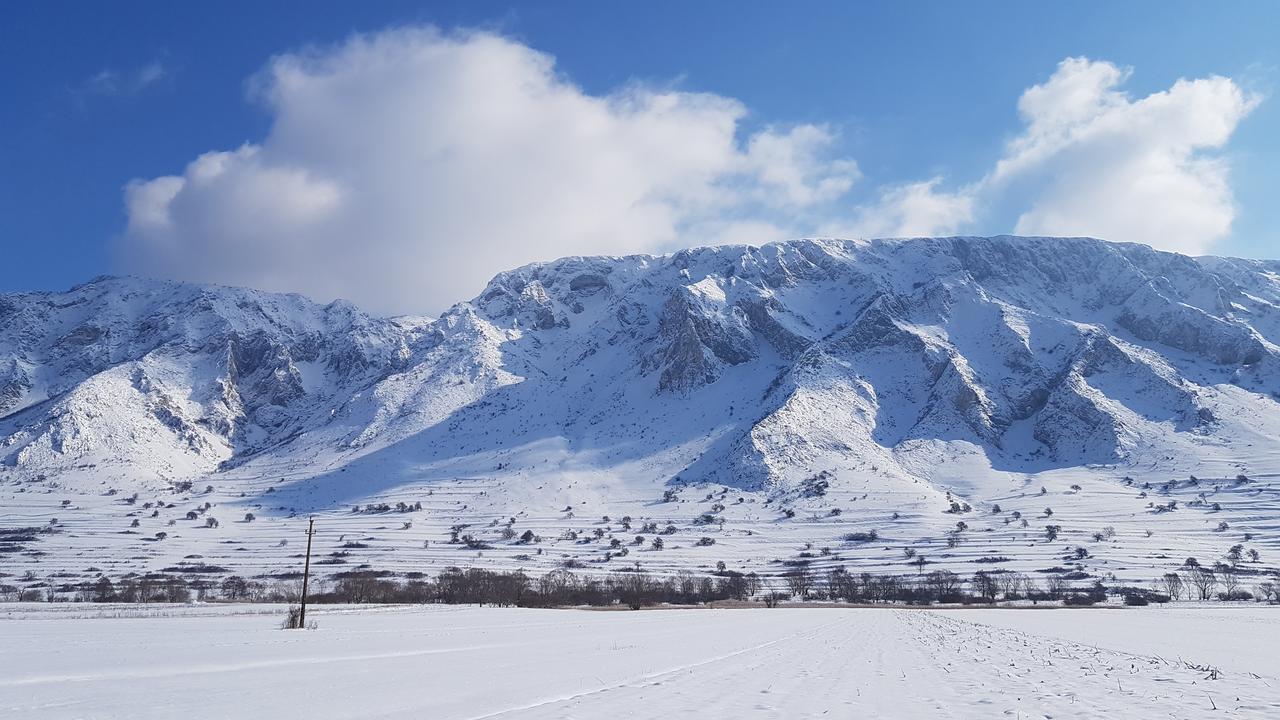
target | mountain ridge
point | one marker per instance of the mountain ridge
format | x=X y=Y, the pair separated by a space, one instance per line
x=700 y=331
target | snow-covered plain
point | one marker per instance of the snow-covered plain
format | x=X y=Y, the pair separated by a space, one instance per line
x=91 y=661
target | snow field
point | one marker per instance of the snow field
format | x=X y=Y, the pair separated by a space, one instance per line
x=70 y=661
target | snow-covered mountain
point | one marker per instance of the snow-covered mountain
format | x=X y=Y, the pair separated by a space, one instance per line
x=174 y=381
x=921 y=372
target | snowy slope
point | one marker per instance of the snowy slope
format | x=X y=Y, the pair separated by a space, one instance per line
x=777 y=398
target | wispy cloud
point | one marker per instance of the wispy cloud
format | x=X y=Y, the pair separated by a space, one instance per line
x=115 y=83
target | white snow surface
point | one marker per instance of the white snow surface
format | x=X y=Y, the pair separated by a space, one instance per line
x=457 y=662
x=786 y=395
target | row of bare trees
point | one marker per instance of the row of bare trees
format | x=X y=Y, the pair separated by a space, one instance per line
x=838 y=584
x=159 y=588
x=1199 y=583
x=557 y=588
x=636 y=589
x=560 y=588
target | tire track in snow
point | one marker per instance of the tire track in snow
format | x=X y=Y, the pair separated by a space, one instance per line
x=649 y=678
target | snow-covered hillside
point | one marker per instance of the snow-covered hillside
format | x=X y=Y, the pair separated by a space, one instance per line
x=752 y=406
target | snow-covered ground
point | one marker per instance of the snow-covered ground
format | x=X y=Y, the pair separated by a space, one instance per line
x=1096 y=510
x=82 y=661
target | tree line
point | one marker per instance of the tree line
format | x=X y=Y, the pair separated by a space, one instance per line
x=636 y=589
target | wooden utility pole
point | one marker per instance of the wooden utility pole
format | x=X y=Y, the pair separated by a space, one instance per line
x=306 y=574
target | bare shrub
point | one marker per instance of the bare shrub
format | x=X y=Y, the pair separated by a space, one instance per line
x=293 y=620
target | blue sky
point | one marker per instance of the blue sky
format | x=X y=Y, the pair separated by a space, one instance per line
x=889 y=117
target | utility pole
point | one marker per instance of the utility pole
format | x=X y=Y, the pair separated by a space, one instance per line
x=306 y=575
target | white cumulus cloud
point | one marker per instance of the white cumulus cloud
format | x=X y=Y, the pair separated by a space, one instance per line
x=1093 y=161
x=1090 y=160
x=402 y=169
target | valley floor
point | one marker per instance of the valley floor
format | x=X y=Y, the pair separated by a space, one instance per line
x=232 y=661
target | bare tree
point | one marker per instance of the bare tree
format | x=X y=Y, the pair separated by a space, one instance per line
x=1203 y=580
x=1029 y=587
x=985 y=584
x=1173 y=586
x=1269 y=591
x=800 y=582
x=942 y=584
x=841 y=585
x=1055 y=586
x=1012 y=585
x=635 y=589
x=556 y=585
x=883 y=588
x=1230 y=581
